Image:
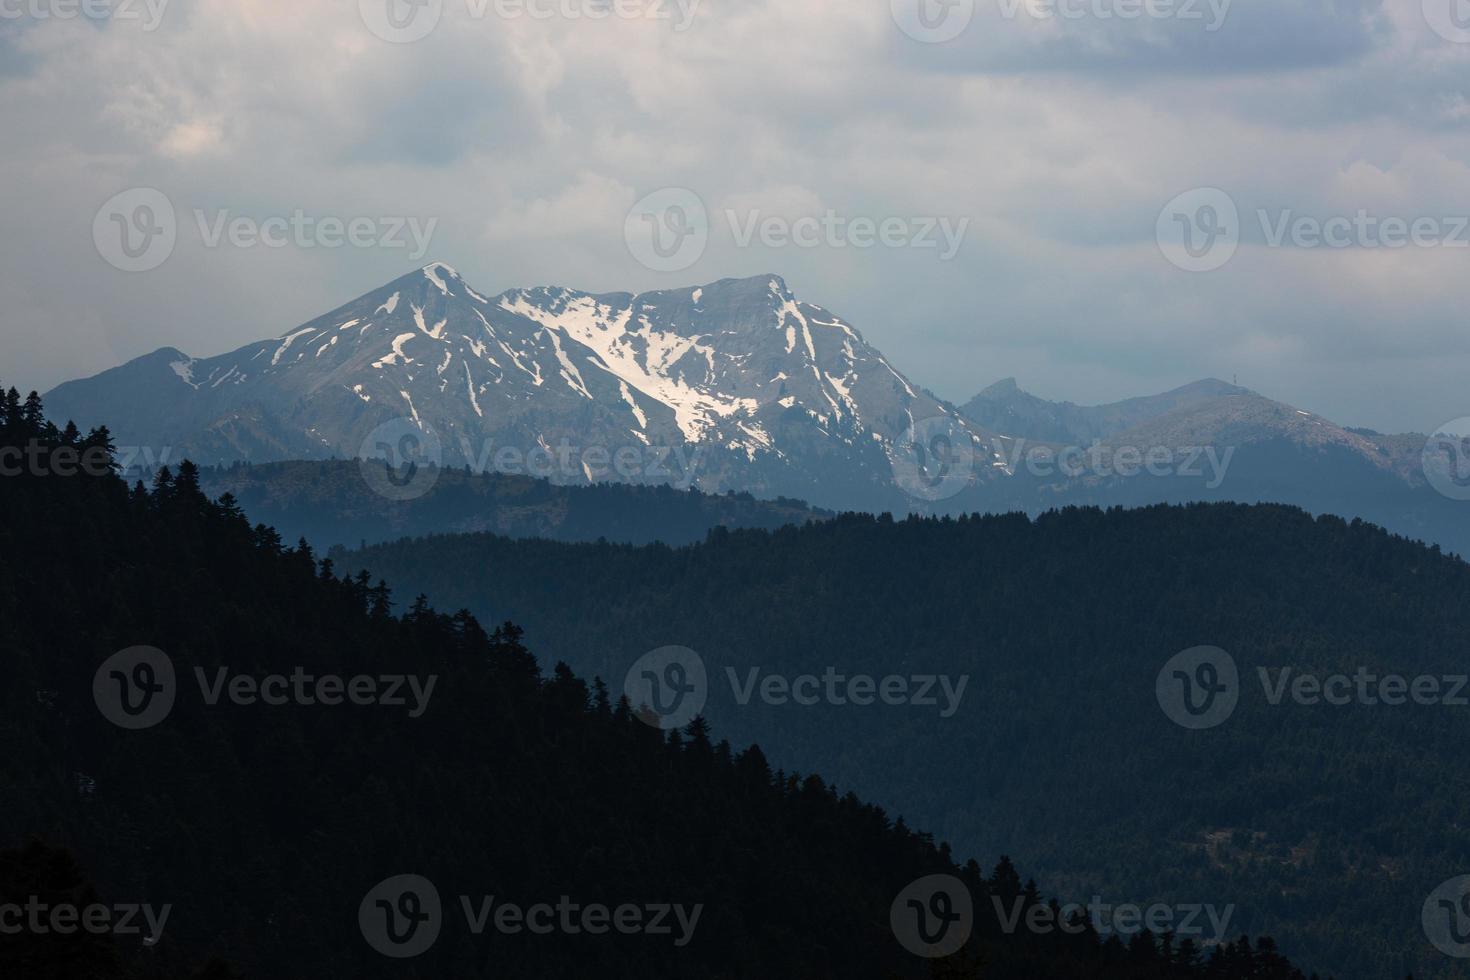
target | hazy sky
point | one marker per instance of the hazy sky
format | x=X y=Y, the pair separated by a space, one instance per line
x=1053 y=132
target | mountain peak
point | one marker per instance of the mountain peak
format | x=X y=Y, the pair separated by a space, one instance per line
x=752 y=286
x=1211 y=386
x=1003 y=387
x=437 y=272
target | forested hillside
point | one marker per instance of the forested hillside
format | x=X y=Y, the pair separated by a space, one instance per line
x=1327 y=825
x=329 y=502
x=268 y=823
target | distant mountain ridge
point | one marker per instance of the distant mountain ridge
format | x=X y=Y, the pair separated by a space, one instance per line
x=734 y=385
x=1004 y=407
x=328 y=503
x=737 y=381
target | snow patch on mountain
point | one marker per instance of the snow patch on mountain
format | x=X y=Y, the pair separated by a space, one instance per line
x=287 y=341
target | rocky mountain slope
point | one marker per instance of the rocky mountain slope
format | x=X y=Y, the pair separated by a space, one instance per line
x=733 y=385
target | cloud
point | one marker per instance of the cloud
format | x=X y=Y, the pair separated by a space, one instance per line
x=1059 y=140
x=1212 y=37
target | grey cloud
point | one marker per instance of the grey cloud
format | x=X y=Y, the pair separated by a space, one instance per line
x=1197 y=37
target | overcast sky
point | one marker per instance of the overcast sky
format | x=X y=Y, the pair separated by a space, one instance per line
x=1055 y=134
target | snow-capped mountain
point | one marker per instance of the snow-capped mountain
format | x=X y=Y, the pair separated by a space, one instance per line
x=733 y=385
